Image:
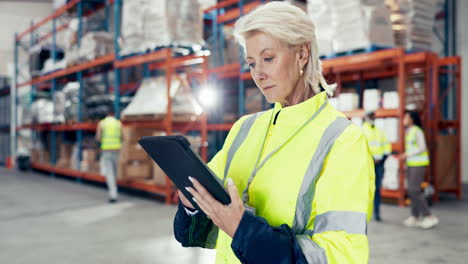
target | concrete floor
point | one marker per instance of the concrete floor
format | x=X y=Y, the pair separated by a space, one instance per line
x=55 y=220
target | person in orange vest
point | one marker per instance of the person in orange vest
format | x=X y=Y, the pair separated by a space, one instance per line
x=109 y=133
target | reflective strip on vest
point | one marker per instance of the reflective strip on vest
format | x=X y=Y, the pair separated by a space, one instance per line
x=411 y=144
x=240 y=137
x=307 y=191
x=313 y=252
x=348 y=221
x=111 y=135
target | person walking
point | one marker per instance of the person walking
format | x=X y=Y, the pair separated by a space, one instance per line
x=108 y=133
x=417 y=161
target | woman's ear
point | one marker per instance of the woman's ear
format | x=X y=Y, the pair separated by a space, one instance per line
x=303 y=55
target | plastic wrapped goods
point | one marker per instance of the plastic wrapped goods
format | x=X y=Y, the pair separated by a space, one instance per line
x=42 y=111
x=346 y=25
x=71 y=91
x=371 y=100
x=151 y=98
x=390 y=180
x=149 y=24
x=412 y=22
x=95 y=45
x=59 y=107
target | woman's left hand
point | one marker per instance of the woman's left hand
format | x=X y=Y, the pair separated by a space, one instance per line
x=226 y=217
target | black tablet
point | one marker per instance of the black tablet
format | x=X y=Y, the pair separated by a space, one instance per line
x=175 y=157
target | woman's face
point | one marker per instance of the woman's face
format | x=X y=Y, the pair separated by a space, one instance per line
x=274 y=66
x=407 y=121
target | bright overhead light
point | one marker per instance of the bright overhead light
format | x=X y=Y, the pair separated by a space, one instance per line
x=207 y=97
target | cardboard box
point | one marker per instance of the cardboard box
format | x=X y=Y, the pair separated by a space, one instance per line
x=159 y=177
x=133 y=134
x=136 y=170
x=64 y=163
x=65 y=151
x=445 y=159
x=89 y=154
x=133 y=151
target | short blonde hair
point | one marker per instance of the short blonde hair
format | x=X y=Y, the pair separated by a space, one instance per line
x=292 y=26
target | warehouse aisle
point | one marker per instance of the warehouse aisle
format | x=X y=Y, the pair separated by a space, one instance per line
x=54 y=220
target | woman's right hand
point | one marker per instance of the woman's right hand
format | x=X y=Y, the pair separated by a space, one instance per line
x=185 y=201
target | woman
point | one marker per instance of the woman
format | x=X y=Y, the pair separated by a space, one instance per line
x=300 y=175
x=417 y=160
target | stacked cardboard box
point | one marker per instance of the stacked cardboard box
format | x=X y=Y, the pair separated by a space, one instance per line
x=134 y=163
x=65 y=154
x=89 y=162
x=40 y=156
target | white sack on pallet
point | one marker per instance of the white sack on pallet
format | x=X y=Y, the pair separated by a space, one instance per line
x=95 y=45
x=151 y=98
x=59 y=107
x=371 y=100
x=348 y=102
x=205 y=4
x=320 y=13
x=344 y=25
x=361 y=26
x=43 y=111
x=391 y=100
x=148 y=24
x=391 y=129
x=390 y=179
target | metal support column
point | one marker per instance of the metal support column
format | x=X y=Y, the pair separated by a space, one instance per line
x=117 y=7
x=241 y=82
x=79 y=133
x=14 y=102
x=53 y=88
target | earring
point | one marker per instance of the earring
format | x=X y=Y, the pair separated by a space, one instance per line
x=301 y=72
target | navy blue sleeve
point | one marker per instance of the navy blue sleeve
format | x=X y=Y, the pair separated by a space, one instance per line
x=255 y=241
x=194 y=231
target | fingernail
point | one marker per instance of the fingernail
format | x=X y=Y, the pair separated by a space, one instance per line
x=195 y=200
x=190 y=178
x=187 y=188
x=230 y=182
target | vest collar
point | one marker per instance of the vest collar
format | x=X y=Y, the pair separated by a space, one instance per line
x=302 y=111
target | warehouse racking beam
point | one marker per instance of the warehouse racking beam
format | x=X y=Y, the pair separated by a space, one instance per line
x=139 y=185
x=74 y=69
x=56 y=14
x=237 y=12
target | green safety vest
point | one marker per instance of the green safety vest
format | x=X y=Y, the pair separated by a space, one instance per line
x=313 y=172
x=378 y=142
x=411 y=144
x=110 y=133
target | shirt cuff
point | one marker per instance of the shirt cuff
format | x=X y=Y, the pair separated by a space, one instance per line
x=190 y=212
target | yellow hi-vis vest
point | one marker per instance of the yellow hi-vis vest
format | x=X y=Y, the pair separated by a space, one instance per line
x=411 y=144
x=320 y=181
x=110 y=133
x=377 y=140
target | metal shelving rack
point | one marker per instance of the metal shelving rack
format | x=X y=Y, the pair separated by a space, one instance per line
x=5 y=128
x=390 y=63
x=162 y=59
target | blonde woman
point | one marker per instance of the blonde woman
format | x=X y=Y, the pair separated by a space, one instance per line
x=300 y=175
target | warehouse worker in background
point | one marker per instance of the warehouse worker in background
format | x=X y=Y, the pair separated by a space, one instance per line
x=380 y=148
x=300 y=175
x=417 y=160
x=109 y=135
